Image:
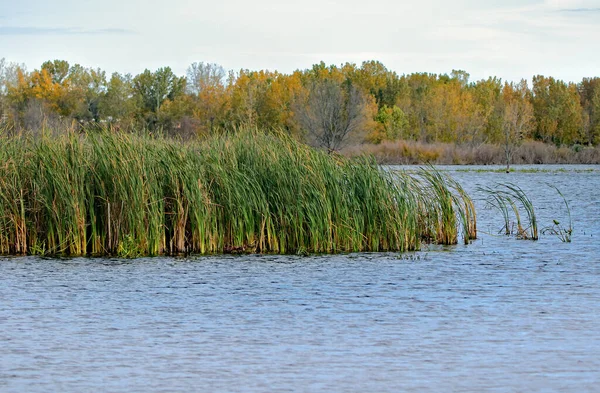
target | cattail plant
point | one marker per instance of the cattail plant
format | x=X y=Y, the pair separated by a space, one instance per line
x=106 y=193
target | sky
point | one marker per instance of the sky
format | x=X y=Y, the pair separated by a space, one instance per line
x=509 y=39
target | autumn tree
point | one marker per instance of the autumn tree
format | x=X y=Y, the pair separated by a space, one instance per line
x=419 y=89
x=487 y=97
x=276 y=108
x=51 y=89
x=245 y=91
x=15 y=92
x=518 y=118
x=375 y=79
x=593 y=134
x=34 y=98
x=57 y=90
x=557 y=111
x=461 y=77
x=589 y=93
x=206 y=83
x=451 y=112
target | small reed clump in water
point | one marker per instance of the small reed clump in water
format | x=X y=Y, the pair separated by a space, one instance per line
x=508 y=197
x=105 y=193
x=564 y=233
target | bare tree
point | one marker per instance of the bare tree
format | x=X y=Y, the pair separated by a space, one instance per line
x=331 y=113
x=2 y=71
x=202 y=76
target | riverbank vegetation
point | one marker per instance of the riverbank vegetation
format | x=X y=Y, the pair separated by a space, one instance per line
x=527 y=153
x=113 y=193
x=542 y=120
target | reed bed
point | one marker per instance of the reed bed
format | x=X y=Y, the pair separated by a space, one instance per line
x=103 y=193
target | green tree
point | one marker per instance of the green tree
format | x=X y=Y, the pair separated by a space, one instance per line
x=57 y=69
x=393 y=124
x=86 y=88
x=154 y=88
x=118 y=105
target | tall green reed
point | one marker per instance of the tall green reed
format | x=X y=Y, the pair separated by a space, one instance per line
x=102 y=193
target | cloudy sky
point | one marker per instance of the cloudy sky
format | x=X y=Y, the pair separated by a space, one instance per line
x=511 y=39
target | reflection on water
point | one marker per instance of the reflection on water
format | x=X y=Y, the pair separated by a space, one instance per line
x=499 y=315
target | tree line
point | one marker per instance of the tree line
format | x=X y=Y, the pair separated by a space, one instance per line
x=328 y=106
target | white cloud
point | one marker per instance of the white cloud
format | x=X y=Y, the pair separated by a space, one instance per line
x=572 y=4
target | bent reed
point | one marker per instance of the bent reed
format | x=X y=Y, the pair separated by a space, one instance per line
x=105 y=193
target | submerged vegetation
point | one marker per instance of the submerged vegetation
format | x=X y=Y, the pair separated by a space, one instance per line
x=104 y=193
